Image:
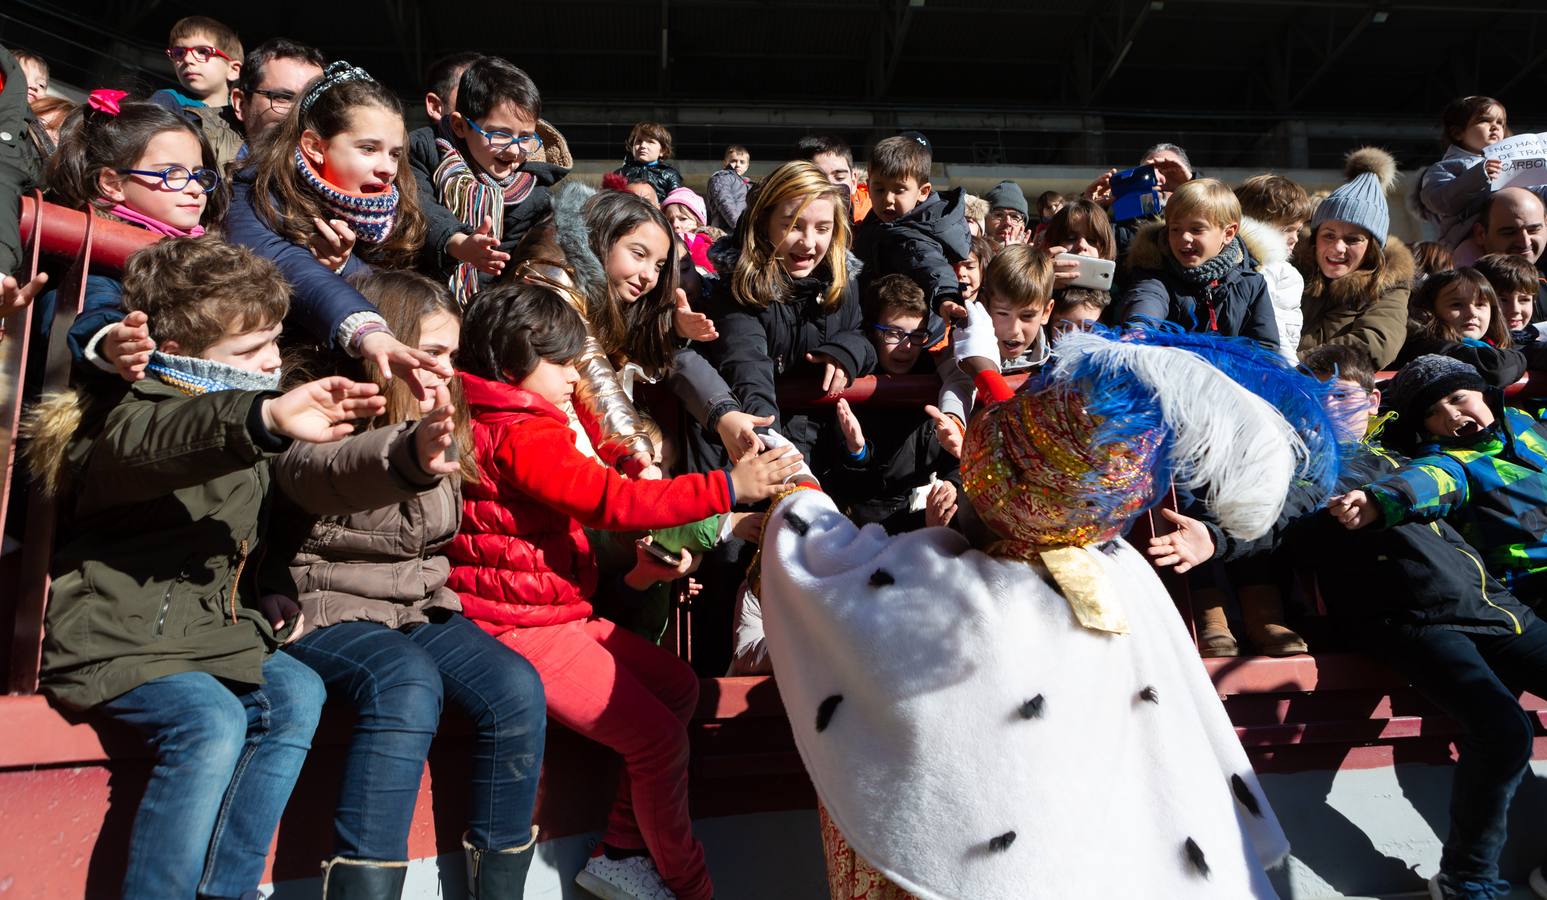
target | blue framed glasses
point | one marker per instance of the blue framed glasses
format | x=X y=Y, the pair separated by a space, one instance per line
x=500 y=140
x=175 y=178
x=893 y=336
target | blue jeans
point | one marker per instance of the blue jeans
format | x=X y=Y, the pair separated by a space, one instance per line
x=395 y=680
x=227 y=757
x=1475 y=679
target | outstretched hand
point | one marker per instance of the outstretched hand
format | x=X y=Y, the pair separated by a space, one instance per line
x=127 y=346
x=1354 y=510
x=435 y=434
x=15 y=296
x=853 y=432
x=1183 y=549
x=332 y=243
x=948 y=431
x=834 y=379
x=694 y=326
x=738 y=433
x=322 y=411
x=394 y=358
x=940 y=505
x=481 y=249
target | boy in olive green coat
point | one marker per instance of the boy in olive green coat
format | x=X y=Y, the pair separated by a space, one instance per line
x=162 y=486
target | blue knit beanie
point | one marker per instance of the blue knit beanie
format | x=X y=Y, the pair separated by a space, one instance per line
x=1371 y=173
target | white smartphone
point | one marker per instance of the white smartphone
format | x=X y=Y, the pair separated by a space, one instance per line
x=1094 y=273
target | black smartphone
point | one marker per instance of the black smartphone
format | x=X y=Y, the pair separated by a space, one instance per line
x=661 y=555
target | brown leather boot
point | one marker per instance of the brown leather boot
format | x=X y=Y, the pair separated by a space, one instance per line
x=1214 y=637
x=1262 y=609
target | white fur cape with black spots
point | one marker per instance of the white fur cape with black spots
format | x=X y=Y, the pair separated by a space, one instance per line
x=971 y=740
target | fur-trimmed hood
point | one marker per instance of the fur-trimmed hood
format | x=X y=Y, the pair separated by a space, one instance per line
x=1363 y=287
x=1150 y=250
x=46 y=430
x=574 y=238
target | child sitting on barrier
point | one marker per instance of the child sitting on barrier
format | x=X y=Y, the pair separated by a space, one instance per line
x=1194 y=270
x=524 y=570
x=1414 y=595
x=1476 y=463
x=155 y=621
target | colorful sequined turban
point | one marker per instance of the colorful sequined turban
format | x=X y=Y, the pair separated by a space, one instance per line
x=1035 y=475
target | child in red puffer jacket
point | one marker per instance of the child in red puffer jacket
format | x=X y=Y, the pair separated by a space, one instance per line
x=524 y=570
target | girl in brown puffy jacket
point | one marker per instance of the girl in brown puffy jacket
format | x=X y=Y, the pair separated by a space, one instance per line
x=387 y=635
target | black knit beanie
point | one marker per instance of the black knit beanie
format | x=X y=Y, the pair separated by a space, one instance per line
x=1426 y=380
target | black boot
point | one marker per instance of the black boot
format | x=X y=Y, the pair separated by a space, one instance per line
x=498 y=874
x=362 y=879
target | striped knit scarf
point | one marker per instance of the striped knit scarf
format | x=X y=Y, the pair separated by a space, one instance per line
x=370 y=215
x=194 y=376
x=473 y=195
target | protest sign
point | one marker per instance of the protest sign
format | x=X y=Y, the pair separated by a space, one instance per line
x=1523 y=160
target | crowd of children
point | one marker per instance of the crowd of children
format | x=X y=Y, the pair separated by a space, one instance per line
x=490 y=370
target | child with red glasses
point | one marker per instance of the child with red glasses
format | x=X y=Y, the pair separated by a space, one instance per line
x=207 y=56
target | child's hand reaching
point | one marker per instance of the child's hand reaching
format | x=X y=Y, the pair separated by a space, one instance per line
x=747 y=526
x=433 y=436
x=694 y=326
x=940 y=505
x=1354 y=509
x=648 y=570
x=396 y=359
x=15 y=296
x=481 y=249
x=948 y=431
x=1184 y=548
x=127 y=346
x=332 y=243
x=1100 y=190
x=282 y=611
x=321 y=411
x=757 y=476
x=1492 y=168
x=853 y=433
x=738 y=432
x=834 y=379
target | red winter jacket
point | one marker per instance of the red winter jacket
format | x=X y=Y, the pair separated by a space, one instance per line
x=522 y=558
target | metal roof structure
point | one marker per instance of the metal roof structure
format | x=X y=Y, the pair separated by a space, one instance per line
x=1239 y=82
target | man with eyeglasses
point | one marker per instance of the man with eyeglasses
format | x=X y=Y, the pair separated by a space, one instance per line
x=479 y=187
x=273 y=77
x=207 y=57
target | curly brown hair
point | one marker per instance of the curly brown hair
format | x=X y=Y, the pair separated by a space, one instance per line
x=196 y=291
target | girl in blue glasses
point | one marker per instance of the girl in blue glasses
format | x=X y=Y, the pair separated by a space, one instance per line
x=137 y=163
x=481 y=189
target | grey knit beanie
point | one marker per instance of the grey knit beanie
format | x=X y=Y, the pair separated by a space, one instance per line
x=1426 y=380
x=1371 y=173
x=1007 y=195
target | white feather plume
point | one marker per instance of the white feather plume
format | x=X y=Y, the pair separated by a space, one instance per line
x=1223 y=437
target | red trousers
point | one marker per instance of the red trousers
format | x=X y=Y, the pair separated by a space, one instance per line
x=620 y=690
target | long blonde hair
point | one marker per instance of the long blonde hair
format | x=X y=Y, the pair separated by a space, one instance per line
x=759 y=278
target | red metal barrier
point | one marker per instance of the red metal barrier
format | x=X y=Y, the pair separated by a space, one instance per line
x=60 y=231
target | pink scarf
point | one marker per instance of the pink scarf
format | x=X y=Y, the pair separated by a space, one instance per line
x=156 y=225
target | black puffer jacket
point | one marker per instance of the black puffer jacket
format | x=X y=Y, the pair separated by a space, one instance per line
x=662 y=176
x=923 y=245
x=758 y=345
x=1417 y=574
x=1500 y=367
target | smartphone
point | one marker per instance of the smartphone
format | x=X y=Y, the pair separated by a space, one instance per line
x=661 y=555
x=1094 y=273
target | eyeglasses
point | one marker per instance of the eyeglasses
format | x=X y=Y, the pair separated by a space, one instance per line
x=199 y=54
x=896 y=336
x=279 y=100
x=499 y=140
x=175 y=178
x=1345 y=396
x=1067 y=326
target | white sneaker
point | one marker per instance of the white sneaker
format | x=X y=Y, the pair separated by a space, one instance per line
x=634 y=878
x=1538 y=882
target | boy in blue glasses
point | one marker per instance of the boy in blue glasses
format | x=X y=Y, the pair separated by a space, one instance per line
x=479 y=187
x=890 y=468
x=207 y=56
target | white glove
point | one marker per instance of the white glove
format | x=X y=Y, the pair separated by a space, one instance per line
x=773 y=439
x=975 y=337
